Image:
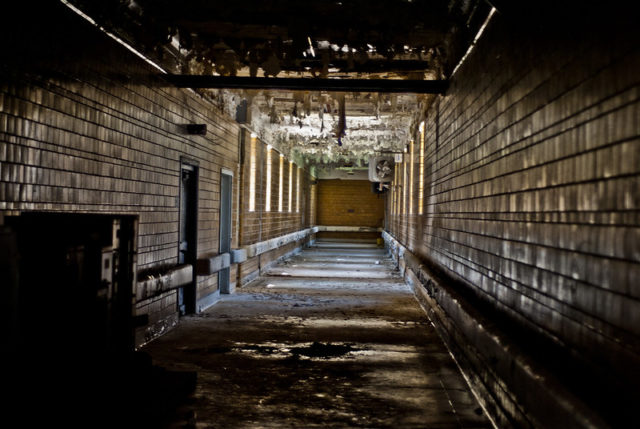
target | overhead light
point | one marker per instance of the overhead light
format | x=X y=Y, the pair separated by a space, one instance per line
x=475 y=40
x=254 y=136
x=313 y=53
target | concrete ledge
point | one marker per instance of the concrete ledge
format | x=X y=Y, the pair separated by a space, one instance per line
x=172 y=279
x=274 y=243
x=238 y=256
x=514 y=389
x=279 y=259
x=337 y=228
x=212 y=264
x=257 y=249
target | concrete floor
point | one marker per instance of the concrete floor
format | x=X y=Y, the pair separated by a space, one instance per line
x=329 y=338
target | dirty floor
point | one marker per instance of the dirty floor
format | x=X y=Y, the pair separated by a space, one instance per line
x=331 y=338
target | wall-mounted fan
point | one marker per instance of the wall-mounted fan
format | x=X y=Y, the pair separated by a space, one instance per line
x=381 y=169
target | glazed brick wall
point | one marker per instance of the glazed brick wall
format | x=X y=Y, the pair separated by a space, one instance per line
x=268 y=258
x=259 y=225
x=532 y=178
x=349 y=203
x=248 y=270
x=254 y=266
x=312 y=205
x=88 y=129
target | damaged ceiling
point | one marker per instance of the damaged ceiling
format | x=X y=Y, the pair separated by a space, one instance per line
x=334 y=127
x=413 y=40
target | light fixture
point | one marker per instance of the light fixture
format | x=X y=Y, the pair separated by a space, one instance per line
x=313 y=52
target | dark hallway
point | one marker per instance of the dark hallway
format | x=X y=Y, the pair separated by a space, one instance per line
x=176 y=177
x=331 y=337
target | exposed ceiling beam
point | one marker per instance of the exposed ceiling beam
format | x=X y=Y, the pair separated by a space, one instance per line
x=369 y=66
x=310 y=84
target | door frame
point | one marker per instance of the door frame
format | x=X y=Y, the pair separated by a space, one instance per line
x=187 y=293
x=224 y=275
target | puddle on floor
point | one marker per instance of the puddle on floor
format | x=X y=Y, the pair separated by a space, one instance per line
x=313 y=350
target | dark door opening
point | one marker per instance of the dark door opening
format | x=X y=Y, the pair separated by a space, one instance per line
x=226 y=186
x=188 y=238
x=73 y=286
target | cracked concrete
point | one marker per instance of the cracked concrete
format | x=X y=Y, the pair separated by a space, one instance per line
x=329 y=338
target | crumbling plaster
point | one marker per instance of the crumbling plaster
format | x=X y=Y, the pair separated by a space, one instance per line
x=307 y=125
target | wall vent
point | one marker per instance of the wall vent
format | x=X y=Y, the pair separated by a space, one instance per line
x=381 y=169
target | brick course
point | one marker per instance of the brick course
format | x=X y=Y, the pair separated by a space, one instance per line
x=532 y=171
x=349 y=203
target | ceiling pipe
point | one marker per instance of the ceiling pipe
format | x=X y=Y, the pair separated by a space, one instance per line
x=309 y=84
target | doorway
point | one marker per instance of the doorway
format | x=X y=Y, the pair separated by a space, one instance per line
x=226 y=195
x=188 y=233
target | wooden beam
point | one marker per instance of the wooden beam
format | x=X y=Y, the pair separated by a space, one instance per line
x=310 y=84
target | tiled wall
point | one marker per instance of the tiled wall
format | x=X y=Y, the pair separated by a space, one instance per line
x=88 y=127
x=531 y=185
x=349 y=203
x=258 y=224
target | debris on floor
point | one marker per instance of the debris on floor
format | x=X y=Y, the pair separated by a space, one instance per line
x=340 y=342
